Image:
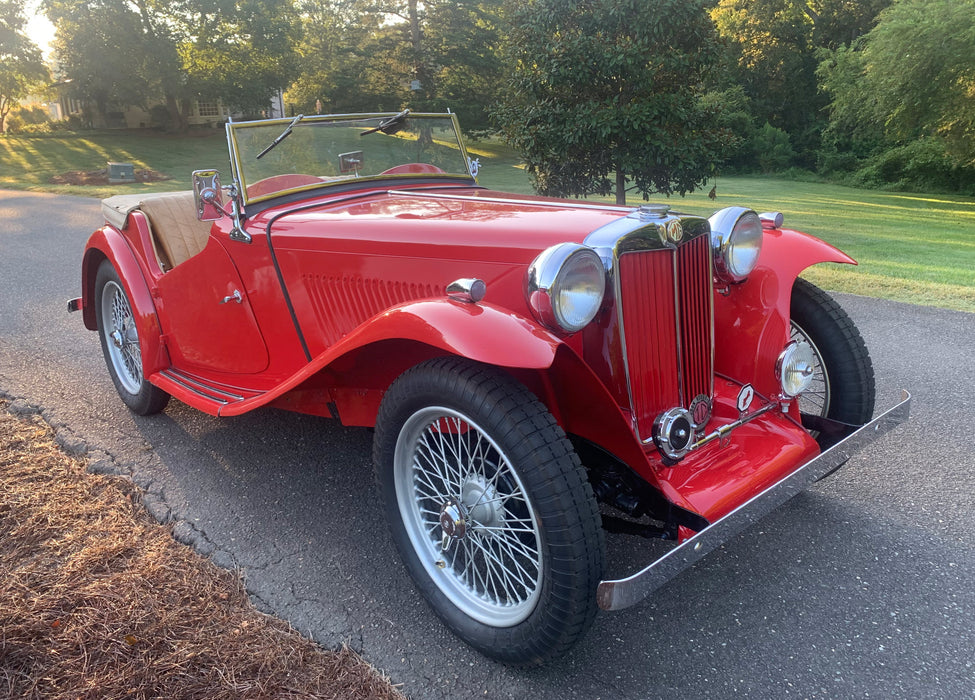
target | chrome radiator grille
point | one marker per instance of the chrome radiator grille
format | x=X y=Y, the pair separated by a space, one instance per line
x=666 y=302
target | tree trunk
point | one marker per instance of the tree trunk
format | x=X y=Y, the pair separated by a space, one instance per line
x=177 y=118
x=419 y=63
x=620 y=188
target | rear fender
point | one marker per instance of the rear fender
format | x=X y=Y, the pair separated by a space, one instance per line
x=107 y=243
x=751 y=321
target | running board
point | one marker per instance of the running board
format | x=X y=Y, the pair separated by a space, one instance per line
x=200 y=393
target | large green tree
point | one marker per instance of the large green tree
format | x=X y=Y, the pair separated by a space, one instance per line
x=123 y=52
x=386 y=54
x=606 y=93
x=241 y=54
x=21 y=67
x=912 y=77
x=346 y=59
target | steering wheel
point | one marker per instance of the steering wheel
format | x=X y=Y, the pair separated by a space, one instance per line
x=280 y=183
x=412 y=168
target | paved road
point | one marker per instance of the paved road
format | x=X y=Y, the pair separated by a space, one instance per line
x=863 y=586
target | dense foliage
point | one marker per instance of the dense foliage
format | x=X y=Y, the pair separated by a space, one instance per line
x=656 y=92
x=21 y=67
x=367 y=55
x=904 y=97
x=115 y=53
x=869 y=92
x=607 y=92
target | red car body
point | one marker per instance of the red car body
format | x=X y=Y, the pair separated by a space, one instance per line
x=396 y=315
x=342 y=288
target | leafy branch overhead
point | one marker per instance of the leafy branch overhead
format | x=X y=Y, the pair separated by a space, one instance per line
x=21 y=67
x=118 y=53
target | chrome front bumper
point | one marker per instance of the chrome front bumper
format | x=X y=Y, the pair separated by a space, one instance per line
x=622 y=593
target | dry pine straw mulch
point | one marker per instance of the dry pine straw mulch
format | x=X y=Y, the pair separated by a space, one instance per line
x=97 y=600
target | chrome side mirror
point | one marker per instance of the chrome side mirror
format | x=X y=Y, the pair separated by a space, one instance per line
x=208 y=195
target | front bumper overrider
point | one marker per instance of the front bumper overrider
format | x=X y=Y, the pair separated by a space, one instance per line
x=622 y=593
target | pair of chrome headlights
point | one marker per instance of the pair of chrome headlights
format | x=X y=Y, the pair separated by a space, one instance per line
x=566 y=283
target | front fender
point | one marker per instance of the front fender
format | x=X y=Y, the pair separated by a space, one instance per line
x=751 y=324
x=108 y=244
x=480 y=332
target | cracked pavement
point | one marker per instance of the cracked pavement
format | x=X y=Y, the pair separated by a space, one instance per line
x=860 y=586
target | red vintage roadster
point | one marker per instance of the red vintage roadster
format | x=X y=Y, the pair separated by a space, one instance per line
x=522 y=359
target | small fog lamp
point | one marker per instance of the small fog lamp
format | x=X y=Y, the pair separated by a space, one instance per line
x=795 y=368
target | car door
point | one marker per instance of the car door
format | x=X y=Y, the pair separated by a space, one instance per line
x=207 y=318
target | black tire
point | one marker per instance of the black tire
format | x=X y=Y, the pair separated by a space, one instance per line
x=519 y=584
x=843 y=389
x=120 y=344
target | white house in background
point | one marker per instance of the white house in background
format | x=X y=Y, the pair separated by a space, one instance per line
x=202 y=112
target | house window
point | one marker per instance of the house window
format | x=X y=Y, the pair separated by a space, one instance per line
x=208 y=109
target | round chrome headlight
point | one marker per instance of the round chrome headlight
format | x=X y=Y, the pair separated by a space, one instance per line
x=796 y=368
x=736 y=241
x=565 y=286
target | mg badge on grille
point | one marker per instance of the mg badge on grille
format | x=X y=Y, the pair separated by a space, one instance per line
x=675 y=232
x=700 y=409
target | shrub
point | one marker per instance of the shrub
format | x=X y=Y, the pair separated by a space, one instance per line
x=23 y=117
x=773 y=149
x=71 y=123
x=921 y=165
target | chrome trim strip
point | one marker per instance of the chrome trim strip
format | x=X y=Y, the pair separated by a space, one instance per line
x=199 y=388
x=678 y=332
x=622 y=593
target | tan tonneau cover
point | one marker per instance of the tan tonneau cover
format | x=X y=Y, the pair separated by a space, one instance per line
x=172 y=220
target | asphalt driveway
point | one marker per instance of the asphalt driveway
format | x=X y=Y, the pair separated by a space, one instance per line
x=863 y=586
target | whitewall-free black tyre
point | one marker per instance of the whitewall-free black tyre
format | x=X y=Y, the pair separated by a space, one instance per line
x=843 y=384
x=490 y=509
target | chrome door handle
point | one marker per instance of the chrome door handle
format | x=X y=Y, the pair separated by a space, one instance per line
x=236 y=296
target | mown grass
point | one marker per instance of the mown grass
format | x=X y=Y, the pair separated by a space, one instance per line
x=914 y=248
x=911 y=247
x=28 y=163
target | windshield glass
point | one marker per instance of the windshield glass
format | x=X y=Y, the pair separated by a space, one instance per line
x=323 y=150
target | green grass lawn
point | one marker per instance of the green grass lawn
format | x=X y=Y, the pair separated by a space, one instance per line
x=915 y=248
x=911 y=247
x=28 y=163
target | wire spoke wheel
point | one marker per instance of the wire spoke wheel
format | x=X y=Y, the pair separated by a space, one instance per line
x=467 y=514
x=489 y=508
x=122 y=337
x=816 y=399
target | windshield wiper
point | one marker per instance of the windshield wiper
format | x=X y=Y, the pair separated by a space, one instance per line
x=385 y=125
x=282 y=137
